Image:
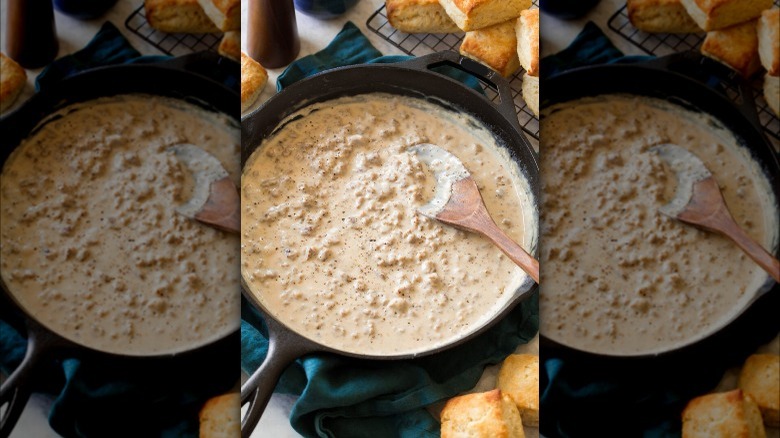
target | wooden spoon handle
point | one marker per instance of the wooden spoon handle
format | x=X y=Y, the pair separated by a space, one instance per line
x=755 y=251
x=708 y=209
x=466 y=210
x=515 y=252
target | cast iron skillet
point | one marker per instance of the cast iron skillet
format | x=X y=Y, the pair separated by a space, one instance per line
x=411 y=78
x=199 y=79
x=692 y=81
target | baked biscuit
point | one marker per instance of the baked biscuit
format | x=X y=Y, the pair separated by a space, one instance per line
x=722 y=415
x=225 y=14
x=660 y=16
x=481 y=415
x=230 y=46
x=12 y=81
x=494 y=46
x=476 y=14
x=769 y=40
x=772 y=93
x=220 y=417
x=717 y=14
x=531 y=93
x=519 y=379
x=735 y=46
x=760 y=379
x=419 y=16
x=253 y=79
x=178 y=16
x=527 y=29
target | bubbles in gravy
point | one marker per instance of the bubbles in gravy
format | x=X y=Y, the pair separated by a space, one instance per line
x=618 y=276
x=90 y=240
x=333 y=246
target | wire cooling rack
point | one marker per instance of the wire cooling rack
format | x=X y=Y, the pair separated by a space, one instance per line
x=426 y=43
x=174 y=44
x=662 y=44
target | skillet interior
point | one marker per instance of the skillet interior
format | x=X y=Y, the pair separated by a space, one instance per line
x=681 y=90
x=173 y=81
x=436 y=88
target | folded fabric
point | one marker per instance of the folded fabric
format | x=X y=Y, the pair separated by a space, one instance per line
x=590 y=47
x=587 y=396
x=12 y=346
x=351 y=47
x=100 y=396
x=107 y=47
x=345 y=397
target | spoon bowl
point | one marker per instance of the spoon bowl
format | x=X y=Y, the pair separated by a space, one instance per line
x=215 y=200
x=458 y=202
x=698 y=201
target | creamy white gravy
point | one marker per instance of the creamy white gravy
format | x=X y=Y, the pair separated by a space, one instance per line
x=619 y=277
x=332 y=244
x=91 y=243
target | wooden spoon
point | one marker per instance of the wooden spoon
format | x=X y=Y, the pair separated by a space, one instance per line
x=215 y=200
x=457 y=202
x=698 y=201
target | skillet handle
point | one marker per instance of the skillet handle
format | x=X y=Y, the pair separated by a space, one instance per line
x=284 y=347
x=715 y=75
x=16 y=390
x=487 y=76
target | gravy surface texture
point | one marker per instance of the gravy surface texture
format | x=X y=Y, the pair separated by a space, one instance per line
x=618 y=276
x=332 y=244
x=92 y=246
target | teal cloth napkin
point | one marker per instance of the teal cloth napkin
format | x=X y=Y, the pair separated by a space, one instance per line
x=12 y=344
x=588 y=396
x=351 y=47
x=344 y=397
x=107 y=47
x=100 y=397
x=590 y=47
